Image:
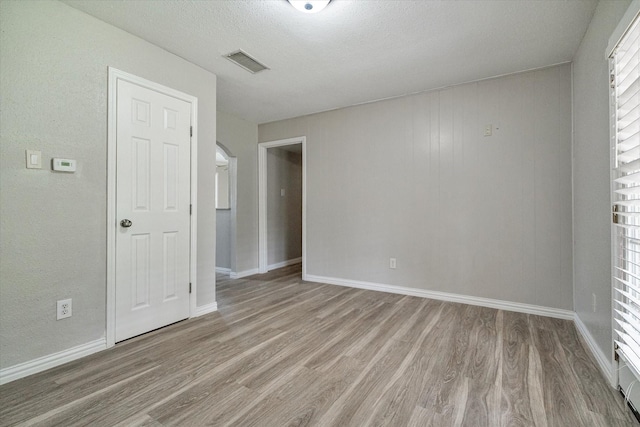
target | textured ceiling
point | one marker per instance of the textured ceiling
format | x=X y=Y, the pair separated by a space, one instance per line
x=354 y=51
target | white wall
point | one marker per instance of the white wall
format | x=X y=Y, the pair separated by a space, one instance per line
x=222 y=186
x=591 y=168
x=53 y=81
x=414 y=178
x=241 y=137
x=284 y=212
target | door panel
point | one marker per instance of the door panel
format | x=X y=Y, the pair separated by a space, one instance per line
x=171 y=267
x=153 y=192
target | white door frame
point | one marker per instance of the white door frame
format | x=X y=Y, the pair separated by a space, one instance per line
x=262 y=201
x=112 y=224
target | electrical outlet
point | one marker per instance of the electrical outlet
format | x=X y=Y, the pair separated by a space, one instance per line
x=594 y=302
x=392 y=263
x=64 y=309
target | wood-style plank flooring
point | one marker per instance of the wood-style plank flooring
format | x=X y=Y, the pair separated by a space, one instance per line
x=282 y=352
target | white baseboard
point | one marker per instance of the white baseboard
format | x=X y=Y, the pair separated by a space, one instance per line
x=223 y=270
x=241 y=274
x=206 y=309
x=40 y=364
x=285 y=263
x=605 y=364
x=445 y=296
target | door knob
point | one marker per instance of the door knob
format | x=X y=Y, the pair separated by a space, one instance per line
x=126 y=223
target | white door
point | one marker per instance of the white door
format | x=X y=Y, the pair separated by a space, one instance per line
x=153 y=210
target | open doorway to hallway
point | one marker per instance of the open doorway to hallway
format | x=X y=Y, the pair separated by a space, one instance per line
x=226 y=166
x=282 y=204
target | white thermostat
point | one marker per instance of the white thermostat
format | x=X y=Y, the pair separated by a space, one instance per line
x=64 y=165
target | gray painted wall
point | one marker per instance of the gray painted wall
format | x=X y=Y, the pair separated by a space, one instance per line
x=53 y=80
x=284 y=213
x=591 y=168
x=241 y=137
x=414 y=178
x=223 y=238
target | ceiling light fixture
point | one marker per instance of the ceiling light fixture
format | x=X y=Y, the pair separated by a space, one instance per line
x=309 y=6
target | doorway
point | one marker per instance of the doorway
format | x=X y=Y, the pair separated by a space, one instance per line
x=277 y=198
x=226 y=202
x=151 y=221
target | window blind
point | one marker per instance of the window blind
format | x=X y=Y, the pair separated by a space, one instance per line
x=625 y=83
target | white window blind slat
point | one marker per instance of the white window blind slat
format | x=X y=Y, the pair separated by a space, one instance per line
x=628 y=191
x=630 y=285
x=633 y=249
x=632 y=179
x=626 y=116
x=627 y=354
x=628 y=249
x=629 y=93
x=629 y=105
x=627 y=129
x=627 y=144
x=623 y=54
x=629 y=349
x=630 y=71
x=627 y=59
x=627 y=219
x=628 y=295
x=628 y=273
x=629 y=203
x=633 y=264
x=630 y=227
x=629 y=313
x=628 y=241
x=627 y=156
x=632 y=333
x=630 y=344
x=628 y=214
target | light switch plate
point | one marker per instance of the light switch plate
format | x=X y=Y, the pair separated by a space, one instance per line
x=34 y=159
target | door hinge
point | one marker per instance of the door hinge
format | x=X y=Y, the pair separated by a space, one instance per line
x=612 y=81
x=190 y=130
x=189 y=287
x=614 y=218
x=190 y=209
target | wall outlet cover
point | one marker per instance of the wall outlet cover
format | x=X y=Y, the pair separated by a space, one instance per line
x=64 y=309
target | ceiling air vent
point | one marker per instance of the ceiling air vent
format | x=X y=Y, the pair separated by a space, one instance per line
x=245 y=61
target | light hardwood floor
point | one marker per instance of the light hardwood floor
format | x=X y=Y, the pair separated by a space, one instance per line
x=282 y=352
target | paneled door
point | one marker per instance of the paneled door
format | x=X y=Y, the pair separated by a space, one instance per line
x=152 y=210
